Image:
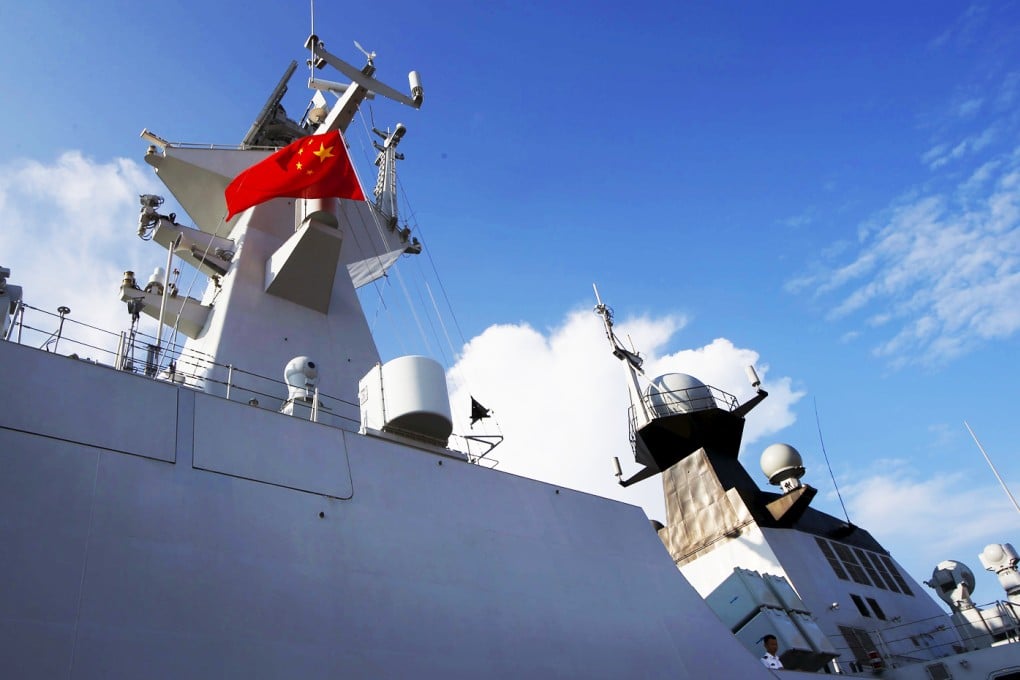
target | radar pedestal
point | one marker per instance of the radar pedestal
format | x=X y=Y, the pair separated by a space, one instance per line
x=953 y=582
x=1001 y=559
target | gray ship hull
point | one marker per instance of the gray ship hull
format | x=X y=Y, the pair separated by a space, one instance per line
x=150 y=530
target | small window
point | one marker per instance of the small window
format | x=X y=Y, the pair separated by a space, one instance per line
x=860 y=605
x=875 y=608
x=853 y=567
x=868 y=568
x=832 y=559
x=904 y=588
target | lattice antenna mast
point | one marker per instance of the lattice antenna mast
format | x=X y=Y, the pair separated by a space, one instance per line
x=632 y=360
x=386 y=183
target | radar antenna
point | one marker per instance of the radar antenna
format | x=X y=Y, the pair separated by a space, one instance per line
x=363 y=76
x=272 y=127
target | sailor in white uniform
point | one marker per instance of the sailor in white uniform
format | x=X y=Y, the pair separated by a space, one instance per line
x=769 y=658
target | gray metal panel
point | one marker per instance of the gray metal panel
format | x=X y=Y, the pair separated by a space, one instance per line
x=700 y=510
x=83 y=402
x=794 y=650
x=274 y=448
x=740 y=597
x=785 y=594
x=45 y=490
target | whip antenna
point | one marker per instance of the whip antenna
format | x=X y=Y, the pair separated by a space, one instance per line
x=818 y=423
x=989 y=461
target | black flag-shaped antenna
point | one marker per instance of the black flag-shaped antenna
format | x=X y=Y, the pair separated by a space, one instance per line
x=478 y=411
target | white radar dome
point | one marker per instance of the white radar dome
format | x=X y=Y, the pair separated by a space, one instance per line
x=678 y=393
x=952 y=581
x=998 y=556
x=301 y=375
x=783 y=466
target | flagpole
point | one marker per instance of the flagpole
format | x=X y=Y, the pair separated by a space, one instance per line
x=994 y=471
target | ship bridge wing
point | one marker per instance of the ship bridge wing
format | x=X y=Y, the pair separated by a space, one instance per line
x=372 y=242
x=197 y=178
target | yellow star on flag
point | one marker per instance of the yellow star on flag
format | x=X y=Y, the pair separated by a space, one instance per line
x=324 y=152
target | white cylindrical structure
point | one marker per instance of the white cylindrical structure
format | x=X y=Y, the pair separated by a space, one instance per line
x=320 y=210
x=407 y=395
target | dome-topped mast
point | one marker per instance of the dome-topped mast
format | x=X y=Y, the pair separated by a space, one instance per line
x=676 y=414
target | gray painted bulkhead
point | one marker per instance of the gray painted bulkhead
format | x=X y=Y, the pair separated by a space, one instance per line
x=149 y=530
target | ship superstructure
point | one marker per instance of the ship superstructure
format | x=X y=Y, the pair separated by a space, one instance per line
x=770 y=564
x=182 y=512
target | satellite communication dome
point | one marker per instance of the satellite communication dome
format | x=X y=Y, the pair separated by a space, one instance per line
x=678 y=393
x=783 y=466
x=998 y=556
x=953 y=582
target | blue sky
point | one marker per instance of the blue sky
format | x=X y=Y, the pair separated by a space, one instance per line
x=832 y=192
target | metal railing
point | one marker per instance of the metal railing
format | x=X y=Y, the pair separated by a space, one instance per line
x=917 y=641
x=135 y=352
x=660 y=404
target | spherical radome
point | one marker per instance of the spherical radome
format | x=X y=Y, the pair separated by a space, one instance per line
x=781 y=461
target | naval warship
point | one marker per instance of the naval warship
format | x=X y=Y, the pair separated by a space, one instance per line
x=176 y=510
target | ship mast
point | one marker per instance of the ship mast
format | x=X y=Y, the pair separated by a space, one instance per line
x=286 y=271
x=632 y=361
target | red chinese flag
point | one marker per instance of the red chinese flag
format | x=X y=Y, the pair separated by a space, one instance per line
x=310 y=167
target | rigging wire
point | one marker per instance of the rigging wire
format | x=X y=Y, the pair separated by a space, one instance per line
x=417 y=228
x=454 y=368
x=396 y=271
x=388 y=312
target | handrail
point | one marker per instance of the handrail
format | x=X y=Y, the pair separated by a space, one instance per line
x=889 y=637
x=191 y=368
x=685 y=400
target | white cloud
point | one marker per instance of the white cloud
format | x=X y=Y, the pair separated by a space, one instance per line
x=910 y=511
x=560 y=397
x=979 y=179
x=68 y=234
x=940 y=272
x=941 y=154
x=798 y=221
x=1008 y=92
x=964 y=30
x=969 y=107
